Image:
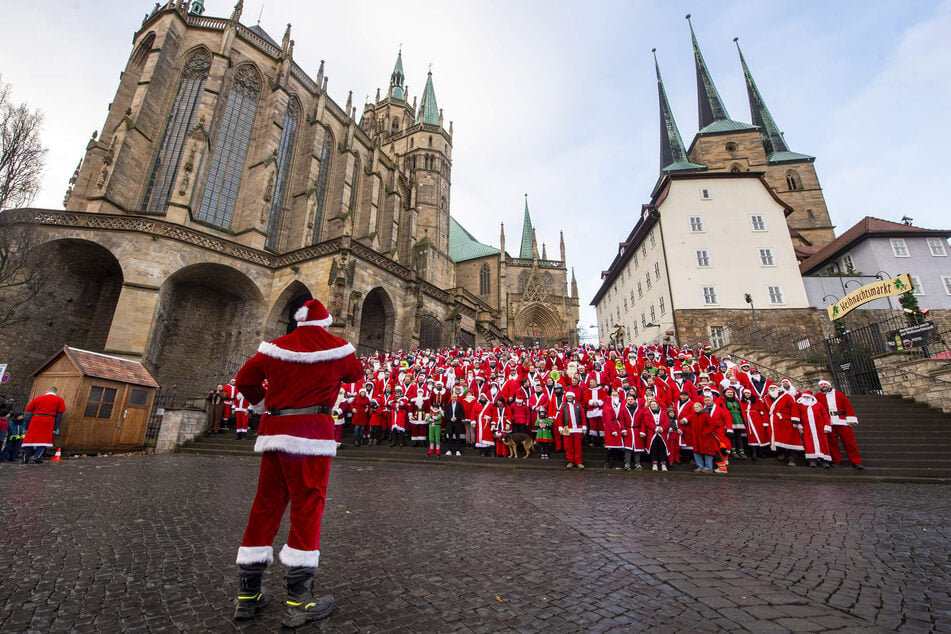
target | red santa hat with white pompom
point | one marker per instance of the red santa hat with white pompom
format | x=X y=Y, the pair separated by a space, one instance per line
x=309 y=342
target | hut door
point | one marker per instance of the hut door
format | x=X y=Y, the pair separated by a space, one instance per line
x=133 y=417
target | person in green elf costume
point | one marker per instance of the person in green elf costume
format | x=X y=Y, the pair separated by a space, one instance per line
x=544 y=435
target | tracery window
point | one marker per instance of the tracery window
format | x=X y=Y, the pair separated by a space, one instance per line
x=231 y=149
x=285 y=152
x=485 y=280
x=181 y=120
x=321 y=190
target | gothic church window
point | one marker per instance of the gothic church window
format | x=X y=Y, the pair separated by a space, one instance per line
x=285 y=152
x=180 y=122
x=231 y=149
x=321 y=189
x=353 y=186
x=793 y=182
x=485 y=281
x=396 y=125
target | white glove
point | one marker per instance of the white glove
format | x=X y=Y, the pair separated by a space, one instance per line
x=258 y=408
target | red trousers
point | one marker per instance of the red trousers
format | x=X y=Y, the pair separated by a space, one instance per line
x=572 y=444
x=241 y=421
x=848 y=441
x=300 y=480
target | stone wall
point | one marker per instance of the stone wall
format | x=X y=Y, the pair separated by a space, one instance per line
x=694 y=325
x=178 y=427
x=923 y=380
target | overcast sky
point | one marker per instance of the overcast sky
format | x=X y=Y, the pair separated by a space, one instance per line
x=558 y=99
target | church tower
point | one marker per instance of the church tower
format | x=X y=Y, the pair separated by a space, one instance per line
x=723 y=144
x=416 y=140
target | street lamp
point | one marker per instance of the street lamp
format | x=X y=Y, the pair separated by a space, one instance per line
x=830 y=295
x=749 y=300
x=850 y=281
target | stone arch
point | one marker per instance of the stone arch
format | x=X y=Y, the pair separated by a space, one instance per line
x=538 y=323
x=79 y=284
x=377 y=320
x=430 y=332
x=207 y=323
x=281 y=320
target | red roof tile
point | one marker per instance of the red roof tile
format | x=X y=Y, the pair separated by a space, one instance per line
x=104 y=366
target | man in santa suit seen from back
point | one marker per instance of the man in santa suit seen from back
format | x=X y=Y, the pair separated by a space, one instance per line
x=304 y=371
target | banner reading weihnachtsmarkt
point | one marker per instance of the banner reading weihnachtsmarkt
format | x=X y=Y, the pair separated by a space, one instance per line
x=876 y=290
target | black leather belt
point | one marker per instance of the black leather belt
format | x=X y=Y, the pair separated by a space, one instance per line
x=314 y=409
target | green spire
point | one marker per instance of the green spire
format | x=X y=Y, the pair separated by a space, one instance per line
x=525 y=251
x=396 y=79
x=713 y=115
x=673 y=156
x=428 y=110
x=776 y=149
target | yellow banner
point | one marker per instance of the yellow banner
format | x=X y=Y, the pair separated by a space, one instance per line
x=876 y=290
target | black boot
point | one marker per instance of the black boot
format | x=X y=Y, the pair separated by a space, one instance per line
x=301 y=605
x=251 y=597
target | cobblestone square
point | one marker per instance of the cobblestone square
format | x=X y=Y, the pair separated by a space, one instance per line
x=136 y=544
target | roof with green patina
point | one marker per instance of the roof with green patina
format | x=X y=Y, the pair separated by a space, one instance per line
x=673 y=156
x=528 y=232
x=463 y=245
x=428 y=110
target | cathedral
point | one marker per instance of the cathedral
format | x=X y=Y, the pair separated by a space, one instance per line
x=227 y=188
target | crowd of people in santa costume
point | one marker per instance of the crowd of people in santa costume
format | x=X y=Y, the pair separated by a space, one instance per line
x=651 y=405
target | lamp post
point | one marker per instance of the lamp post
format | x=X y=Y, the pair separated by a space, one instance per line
x=887 y=277
x=749 y=300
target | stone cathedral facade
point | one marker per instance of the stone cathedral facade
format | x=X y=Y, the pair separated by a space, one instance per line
x=226 y=188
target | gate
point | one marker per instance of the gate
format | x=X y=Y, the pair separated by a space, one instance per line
x=163 y=400
x=850 y=358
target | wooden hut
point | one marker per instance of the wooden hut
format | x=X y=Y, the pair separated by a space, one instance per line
x=108 y=399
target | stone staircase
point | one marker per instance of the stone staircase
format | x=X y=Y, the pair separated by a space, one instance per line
x=776 y=365
x=898 y=439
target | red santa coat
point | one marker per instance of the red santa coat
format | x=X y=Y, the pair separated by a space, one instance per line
x=814 y=417
x=656 y=426
x=44 y=409
x=684 y=412
x=360 y=406
x=705 y=439
x=839 y=408
x=756 y=416
x=485 y=419
x=612 y=418
x=722 y=421
x=303 y=369
x=783 y=419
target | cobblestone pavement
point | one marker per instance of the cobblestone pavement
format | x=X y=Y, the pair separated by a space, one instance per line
x=142 y=544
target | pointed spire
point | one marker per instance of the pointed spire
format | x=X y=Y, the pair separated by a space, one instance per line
x=238 y=8
x=396 y=78
x=502 y=240
x=561 y=238
x=428 y=110
x=349 y=107
x=574 y=283
x=534 y=245
x=544 y=251
x=776 y=149
x=527 y=233
x=320 y=74
x=712 y=113
x=286 y=41
x=673 y=156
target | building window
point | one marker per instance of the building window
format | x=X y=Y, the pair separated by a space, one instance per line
x=775 y=295
x=696 y=224
x=793 y=182
x=759 y=224
x=656 y=270
x=653 y=314
x=703 y=258
x=899 y=248
x=285 y=152
x=231 y=148
x=847 y=265
x=716 y=336
x=705 y=194
x=937 y=247
x=946 y=280
x=634 y=328
x=180 y=123
x=635 y=260
x=647 y=278
x=321 y=191
x=731 y=147
x=138 y=398
x=625 y=305
x=653 y=241
x=735 y=168
x=644 y=251
x=632 y=297
x=99 y=403
x=485 y=280
x=811 y=214
x=354 y=187
x=917 y=287
x=643 y=321
x=709 y=295
x=663 y=306
x=640 y=291
x=766 y=257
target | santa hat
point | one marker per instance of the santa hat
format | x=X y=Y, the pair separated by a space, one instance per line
x=754 y=370
x=313 y=313
x=824 y=382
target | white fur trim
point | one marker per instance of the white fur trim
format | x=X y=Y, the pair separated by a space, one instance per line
x=255 y=555
x=331 y=354
x=825 y=382
x=299 y=558
x=295 y=445
x=323 y=323
x=300 y=314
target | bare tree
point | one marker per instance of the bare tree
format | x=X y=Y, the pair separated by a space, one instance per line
x=22 y=155
x=21 y=276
